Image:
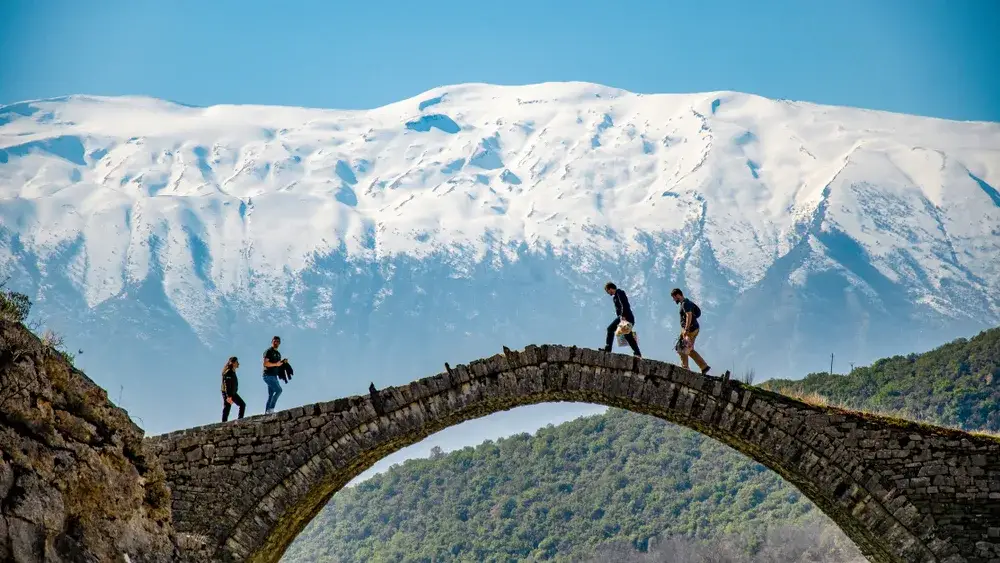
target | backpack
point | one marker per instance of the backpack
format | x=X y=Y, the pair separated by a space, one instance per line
x=695 y=309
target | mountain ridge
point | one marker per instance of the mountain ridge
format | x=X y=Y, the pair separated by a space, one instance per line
x=354 y=235
x=426 y=98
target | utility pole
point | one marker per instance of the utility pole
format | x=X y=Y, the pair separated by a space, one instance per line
x=831 y=363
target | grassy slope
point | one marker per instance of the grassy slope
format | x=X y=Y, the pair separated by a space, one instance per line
x=957 y=385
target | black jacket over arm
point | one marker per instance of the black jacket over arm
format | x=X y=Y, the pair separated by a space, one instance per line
x=622 y=308
x=286 y=372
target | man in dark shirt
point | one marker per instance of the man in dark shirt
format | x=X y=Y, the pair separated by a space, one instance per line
x=689 y=331
x=272 y=368
x=623 y=312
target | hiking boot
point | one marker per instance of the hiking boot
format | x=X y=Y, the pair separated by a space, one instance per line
x=605 y=349
x=705 y=371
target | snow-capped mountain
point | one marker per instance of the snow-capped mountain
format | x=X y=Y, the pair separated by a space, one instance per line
x=162 y=238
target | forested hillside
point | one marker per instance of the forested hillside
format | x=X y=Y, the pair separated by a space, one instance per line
x=957 y=384
x=633 y=488
x=556 y=495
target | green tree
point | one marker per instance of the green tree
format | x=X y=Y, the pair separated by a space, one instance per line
x=14 y=306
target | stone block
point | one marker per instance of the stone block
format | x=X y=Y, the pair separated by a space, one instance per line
x=532 y=355
x=497 y=364
x=557 y=354
x=462 y=374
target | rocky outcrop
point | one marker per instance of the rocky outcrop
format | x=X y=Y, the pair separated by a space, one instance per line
x=76 y=481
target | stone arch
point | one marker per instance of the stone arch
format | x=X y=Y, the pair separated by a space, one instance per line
x=242 y=492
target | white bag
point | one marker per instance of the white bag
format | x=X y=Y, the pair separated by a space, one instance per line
x=622 y=342
x=625 y=327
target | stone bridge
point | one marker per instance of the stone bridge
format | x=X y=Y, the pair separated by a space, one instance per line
x=903 y=492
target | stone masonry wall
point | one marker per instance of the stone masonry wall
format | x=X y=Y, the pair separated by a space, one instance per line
x=77 y=483
x=904 y=492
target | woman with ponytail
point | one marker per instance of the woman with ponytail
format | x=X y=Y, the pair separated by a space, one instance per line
x=229 y=386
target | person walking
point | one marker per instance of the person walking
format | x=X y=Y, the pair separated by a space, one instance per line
x=689 y=312
x=623 y=312
x=272 y=369
x=230 y=386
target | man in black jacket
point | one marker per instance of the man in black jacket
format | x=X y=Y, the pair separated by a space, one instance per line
x=623 y=312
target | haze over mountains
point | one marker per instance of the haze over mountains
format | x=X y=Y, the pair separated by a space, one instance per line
x=162 y=238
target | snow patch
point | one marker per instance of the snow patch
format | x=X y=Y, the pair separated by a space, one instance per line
x=437 y=121
x=345 y=173
x=990 y=191
x=509 y=177
x=68 y=147
x=487 y=155
x=430 y=102
x=347 y=196
x=454 y=166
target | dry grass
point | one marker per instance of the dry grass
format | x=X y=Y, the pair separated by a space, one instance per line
x=813 y=399
x=57 y=343
x=52 y=339
x=896 y=417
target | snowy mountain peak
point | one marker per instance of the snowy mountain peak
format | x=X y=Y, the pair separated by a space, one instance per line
x=241 y=199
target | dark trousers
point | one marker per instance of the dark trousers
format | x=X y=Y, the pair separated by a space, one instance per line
x=630 y=338
x=238 y=401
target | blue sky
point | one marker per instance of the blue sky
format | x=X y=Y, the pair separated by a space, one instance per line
x=927 y=57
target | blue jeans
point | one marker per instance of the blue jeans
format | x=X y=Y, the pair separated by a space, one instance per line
x=273 y=390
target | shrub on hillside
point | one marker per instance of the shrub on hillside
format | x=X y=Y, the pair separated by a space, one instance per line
x=14 y=306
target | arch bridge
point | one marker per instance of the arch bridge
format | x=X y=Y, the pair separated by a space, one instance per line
x=903 y=492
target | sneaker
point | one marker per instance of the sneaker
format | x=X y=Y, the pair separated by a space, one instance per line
x=605 y=349
x=705 y=371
